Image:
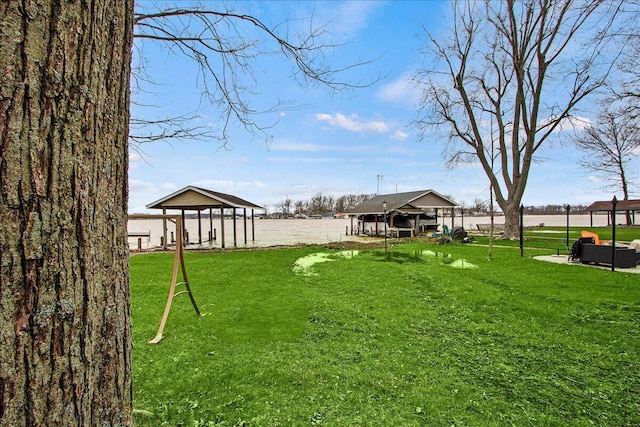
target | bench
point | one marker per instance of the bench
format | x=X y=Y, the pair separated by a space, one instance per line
x=139 y=235
x=486 y=228
x=401 y=232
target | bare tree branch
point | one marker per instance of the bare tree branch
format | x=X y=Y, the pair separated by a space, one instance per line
x=228 y=48
x=611 y=145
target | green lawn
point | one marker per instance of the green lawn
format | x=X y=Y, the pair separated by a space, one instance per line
x=408 y=340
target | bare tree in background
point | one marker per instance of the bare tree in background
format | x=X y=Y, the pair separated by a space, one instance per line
x=519 y=69
x=284 y=206
x=626 y=90
x=229 y=48
x=479 y=206
x=611 y=144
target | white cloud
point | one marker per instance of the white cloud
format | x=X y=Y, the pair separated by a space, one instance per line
x=400 y=91
x=399 y=135
x=301 y=160
x=573 y=123
x=141 y=186
x=293 y=146
x=134 y=160
x=314 y=148
x=342 y=20
x=140 y=194
x=230 y=186
x=241 y=160
x=353 y=123
x=168 y=186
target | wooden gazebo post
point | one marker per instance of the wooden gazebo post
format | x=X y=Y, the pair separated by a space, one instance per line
x=244 y=218
x=222 y=226
x=377 y=234
x=164 y=229
x=253 y=226
x=235 y=239
x=211 y=225
x=183 y=230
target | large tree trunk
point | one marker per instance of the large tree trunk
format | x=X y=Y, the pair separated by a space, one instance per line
x=512 y=222
x=65 y=336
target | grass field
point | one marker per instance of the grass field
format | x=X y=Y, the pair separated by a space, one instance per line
x=411 y=339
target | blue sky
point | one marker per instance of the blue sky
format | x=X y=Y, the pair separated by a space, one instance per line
x=336 y=143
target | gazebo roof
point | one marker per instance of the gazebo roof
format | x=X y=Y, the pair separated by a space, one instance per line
x=413 y=201
x=622 y=205
x=196 y=198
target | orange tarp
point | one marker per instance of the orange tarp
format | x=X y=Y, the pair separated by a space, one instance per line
x=586 y=233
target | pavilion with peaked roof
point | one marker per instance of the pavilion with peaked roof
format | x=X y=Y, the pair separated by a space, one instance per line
x=197 y=199
x=630 y=206
x=407 y=214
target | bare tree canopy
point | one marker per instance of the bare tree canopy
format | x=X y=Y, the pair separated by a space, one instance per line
x=626 y=87
x=510 y=76
x=229 y=49
x=611 y=144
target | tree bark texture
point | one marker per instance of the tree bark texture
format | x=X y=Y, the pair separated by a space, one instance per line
x=65 y=335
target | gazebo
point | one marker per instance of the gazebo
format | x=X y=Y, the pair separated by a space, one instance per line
x=198 y=199
x=631 y=206
x=407 y=213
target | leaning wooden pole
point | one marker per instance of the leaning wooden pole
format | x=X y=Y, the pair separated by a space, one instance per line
x=178 y=264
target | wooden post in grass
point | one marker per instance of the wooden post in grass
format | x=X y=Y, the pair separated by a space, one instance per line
x=235 y=238
x=211 y=234
x=164 y=230
x=222 y=226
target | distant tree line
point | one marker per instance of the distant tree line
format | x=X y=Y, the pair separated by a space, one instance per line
x=555 y=210
x=481 y=208
x=322 y=204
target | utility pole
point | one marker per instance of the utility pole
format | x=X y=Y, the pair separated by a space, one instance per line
x=379 y=178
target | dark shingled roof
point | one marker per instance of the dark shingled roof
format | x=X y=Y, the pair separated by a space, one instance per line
x=406 y=202
x=216 y=200
x=622 y=205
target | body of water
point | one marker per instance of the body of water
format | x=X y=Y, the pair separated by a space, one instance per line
x=273 y=232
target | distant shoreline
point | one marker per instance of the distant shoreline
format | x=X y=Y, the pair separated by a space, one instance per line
x=288 y=232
